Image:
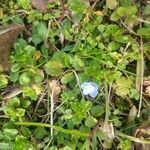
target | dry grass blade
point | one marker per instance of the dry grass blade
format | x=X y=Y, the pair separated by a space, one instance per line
x=132 y=114
x=14 y=92
x=54 y=89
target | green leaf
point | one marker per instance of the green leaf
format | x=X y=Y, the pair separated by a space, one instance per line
x=121 y=11
x=19 y=46
x=125 y=3
x=29 y=50
x=22 y=143
x=39 y=32
x=38 y=78
x=78 y=8
x=67 y=78
x=1 y=135
x=90 y=122
x=3 y=81
x=5 y=146
x=113 y=46
x=80 y=109
x=125 y=145
x=25 y=4
x=133 y=10
x=123 y=86
x=107 y=144
x=25 y=103
x=61 y=57
x=39 y=133
x=114 y=16
x=67 y=148
x=97 y=111
x=25 y=131
x=29 y=92
x=86 y=145
x=53 y=68
x=24 y=79
x=14 y=102
x=20 y=112
x=10 y=134
x=15 y=67
x=77 y=63
x=67 y=96
x=102 y=135
x=111 y=4
x=146 y=10
x=145 y=32
x=14 y=76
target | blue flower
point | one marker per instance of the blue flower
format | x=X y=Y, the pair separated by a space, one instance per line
x=90 y=88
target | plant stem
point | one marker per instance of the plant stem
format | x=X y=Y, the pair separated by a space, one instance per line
x=107 y=110
x=73 y=132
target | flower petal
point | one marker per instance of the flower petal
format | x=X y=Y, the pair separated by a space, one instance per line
x=94 y=84
x=86 y=92
x=84 y=85
x=94 y=93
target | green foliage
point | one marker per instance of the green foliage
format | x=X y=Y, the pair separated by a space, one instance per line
x=90 y=122
x=123 y=12
x=39 y=133
x=68 y=77
x=53 y=68
x=97 y=110
x=80 y=111
x=29 y=92
x=125 y=145
x=3 y=81
x=78 y=8
x=61 y=47
x=25 y=4
x=123 y=86
x=111 y=4
x=39 y=32
x=77 y=63
x=144 y=32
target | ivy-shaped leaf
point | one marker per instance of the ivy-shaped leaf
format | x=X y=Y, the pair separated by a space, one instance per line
x=123 y=86
x=80 y=109
x=3 y=81
x=53 y=68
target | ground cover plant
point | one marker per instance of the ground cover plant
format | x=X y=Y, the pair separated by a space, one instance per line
x=74 y=74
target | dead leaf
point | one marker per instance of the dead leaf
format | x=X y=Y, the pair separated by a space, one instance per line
x=147 y=91
x=55 y=89
x=109 y=129
x=7 y=40
x=40 y=4
x=132 y=114
x=146 y=82
x=142 y=131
